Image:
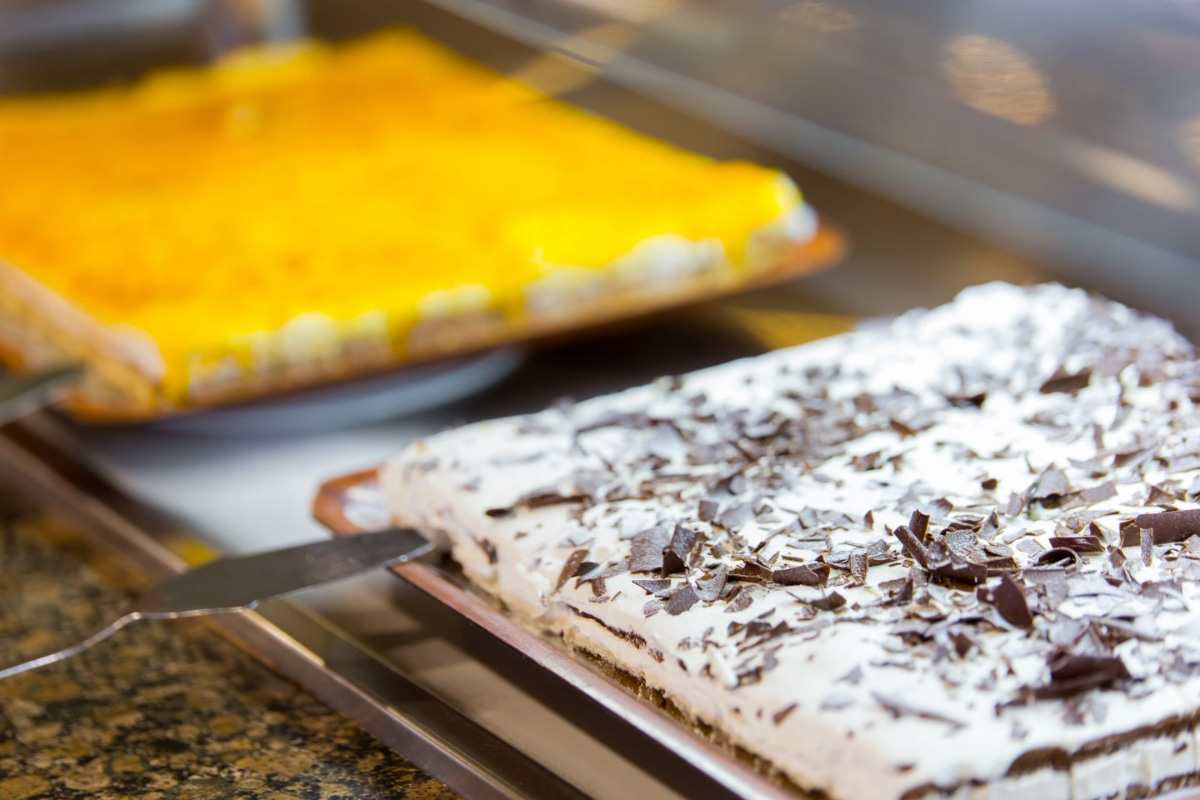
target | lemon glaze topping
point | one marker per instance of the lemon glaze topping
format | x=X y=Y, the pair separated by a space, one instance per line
x=348 y=189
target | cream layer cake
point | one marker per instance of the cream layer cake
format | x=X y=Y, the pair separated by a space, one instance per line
x=953 y=555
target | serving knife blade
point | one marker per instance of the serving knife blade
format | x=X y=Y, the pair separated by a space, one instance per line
x=232 y=584
x=24 y=394
x=241 y=583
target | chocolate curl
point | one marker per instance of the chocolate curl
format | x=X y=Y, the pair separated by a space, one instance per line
x=912 y=544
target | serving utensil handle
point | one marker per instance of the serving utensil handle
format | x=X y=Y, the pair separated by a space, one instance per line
x=55 y=656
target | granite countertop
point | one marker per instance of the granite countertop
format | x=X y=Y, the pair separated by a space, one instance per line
x=163 y=709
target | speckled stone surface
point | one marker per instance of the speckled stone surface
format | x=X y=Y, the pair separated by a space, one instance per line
x=166 y=710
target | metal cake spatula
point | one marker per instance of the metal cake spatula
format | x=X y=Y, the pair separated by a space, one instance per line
x=24 y=394
x=237 y=584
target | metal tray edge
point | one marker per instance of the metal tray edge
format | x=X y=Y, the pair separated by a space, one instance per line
x=329 y=508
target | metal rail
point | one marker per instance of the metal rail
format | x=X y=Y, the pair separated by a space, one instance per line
x=286 y=636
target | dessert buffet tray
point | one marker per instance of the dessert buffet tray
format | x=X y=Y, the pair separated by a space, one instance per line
x=353 y=503
x=590 y=737
x=346 y=655
x=30 y=339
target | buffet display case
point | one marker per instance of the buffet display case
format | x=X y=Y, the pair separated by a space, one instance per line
x=953 y=143
x=1069 y=139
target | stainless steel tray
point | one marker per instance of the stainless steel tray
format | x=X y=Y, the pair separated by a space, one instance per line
x=653 y=754
x=347 y=504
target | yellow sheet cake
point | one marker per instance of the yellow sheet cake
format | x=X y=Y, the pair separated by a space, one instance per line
x=295 y=214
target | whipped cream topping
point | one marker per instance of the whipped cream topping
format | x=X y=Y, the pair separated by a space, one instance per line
x=952 y=554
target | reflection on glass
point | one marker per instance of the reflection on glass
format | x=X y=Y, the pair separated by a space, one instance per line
x=996 y=78
x=556 y=75
x=632 y=10
x=820 y=17
x=1136 y=177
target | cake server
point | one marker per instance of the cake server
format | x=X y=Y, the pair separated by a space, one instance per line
x=241 y=583
x=24 y=394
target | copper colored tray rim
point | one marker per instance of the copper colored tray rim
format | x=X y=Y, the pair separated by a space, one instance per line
x=330 y=507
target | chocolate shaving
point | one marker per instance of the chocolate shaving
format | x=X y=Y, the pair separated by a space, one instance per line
x=1049 y=584
x=962 y=571
x=1058 y=558
x=918 y=523
x=1066 y=382
x=830 y=602
x=1098 y=494
x=859 y=564
x=750 y=571
x=1072 y=674
x=853 y=677
x=707 y=510
x=488 y=549
x=961 y=541
x=570 y=567
x=677 y=552
x=1009 y=600
x=1130 y=534
x=537 y=499
x=728 y=482
x=783 y=713
x=990 y=527
x=736 y=516
x=1171 y=526
x=709 y=589
x=998 y=550
x=646 y=549
x=968 y=401
x=963 y=644
x=1133 y=458
x=998 y=565
x=912 y=544
x=653 y=586
x=1080 y=544
x=684 y=598
x=878 y=552
x=1052 y=483
x=1158 y=496
x=587 y=571
x=739 y=602
x=814 y=574
x=1016 y=504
